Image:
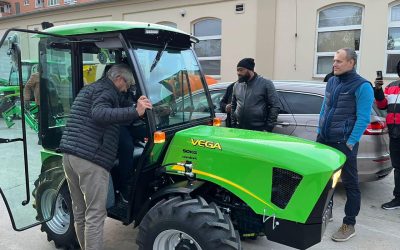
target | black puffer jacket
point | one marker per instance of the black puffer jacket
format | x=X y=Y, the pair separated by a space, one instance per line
x=255 y=104
x=92 y=129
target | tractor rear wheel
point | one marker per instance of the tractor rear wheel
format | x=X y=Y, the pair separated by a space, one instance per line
x=186 y=223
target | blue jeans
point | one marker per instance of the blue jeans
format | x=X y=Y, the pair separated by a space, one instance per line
x=350 y=181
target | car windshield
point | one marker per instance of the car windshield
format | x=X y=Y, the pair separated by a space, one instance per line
x=175 y=78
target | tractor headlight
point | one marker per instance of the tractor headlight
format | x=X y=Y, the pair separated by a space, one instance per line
x=335 y=178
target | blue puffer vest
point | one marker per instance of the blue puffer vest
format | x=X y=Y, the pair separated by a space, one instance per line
x=340 y=111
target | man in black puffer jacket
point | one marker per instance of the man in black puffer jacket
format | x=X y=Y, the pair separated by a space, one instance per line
x=255 y=103
x=90 y=143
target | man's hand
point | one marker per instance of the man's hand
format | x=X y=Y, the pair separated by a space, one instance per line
x=228 y=108
x=142 y=104
x=378 y=84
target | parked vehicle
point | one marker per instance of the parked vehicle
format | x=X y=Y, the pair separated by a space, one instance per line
x=195 y=186
x=300 y=106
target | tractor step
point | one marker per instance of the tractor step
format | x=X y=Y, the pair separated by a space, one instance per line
x=119 y=210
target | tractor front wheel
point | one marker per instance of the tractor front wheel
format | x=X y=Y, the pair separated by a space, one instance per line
x=60 y=228
x=186 y=223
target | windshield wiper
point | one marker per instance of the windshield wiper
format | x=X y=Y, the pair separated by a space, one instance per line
x=158 y=56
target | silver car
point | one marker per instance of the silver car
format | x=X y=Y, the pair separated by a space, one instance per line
x=300 y=106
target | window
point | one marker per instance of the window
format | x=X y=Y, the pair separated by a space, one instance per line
x=283 y=109
x=393 y=41
x=53 y=2
x=171 y=84
x=95 y=64
x=338 y=27
x=301 y=103
x=26 y=2
x=5 y=8
x=38 y=3
x=208 y=50
x=200 y=101
x=169 y=24
x=69 y=1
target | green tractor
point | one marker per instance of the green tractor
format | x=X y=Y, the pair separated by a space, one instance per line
x=194 y=185
x=9 y=93
x=9 y=82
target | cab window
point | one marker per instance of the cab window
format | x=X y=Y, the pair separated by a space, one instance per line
x=302 y=103
x=171 y=83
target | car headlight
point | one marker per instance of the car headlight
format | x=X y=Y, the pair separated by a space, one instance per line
x=335 y=178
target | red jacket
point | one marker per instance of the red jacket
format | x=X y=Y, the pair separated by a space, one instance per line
x=390 y=100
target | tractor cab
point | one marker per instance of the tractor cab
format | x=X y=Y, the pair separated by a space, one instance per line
x=191 y=185
x=69 y=58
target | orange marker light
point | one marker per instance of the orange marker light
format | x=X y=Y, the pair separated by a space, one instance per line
x=159 y=137
x=217 y=122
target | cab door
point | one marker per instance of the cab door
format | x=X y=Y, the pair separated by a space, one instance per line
x=20 y=158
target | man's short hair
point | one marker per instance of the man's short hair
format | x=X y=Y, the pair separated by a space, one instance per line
x=350 y=54
x=122 y=70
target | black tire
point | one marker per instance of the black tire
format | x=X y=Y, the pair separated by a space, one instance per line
x=203 y=223
x=60 y=229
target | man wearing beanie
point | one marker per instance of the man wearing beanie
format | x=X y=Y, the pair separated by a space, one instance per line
x=255 y=103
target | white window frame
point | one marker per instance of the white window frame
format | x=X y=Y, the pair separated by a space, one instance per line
x=333 y=29
x=215 y=37
x=7 y=8
x=395 y=24
x=26 y=2
x=39 y=3
x=69 y=1
x=52 y=3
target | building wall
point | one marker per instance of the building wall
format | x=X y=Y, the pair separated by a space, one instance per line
x=295 y=57
x=31 y=6
x=266 y=30
x=238 y=30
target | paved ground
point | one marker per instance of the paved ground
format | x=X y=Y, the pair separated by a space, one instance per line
x=376 y=228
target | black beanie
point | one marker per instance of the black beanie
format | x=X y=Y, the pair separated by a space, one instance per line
x=247 y=63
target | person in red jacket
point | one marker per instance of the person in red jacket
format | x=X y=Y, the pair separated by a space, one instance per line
x=389 y=99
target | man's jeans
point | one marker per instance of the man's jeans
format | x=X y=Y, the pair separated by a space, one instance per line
x=88 y=185
x=394 y=147
x=349 y=180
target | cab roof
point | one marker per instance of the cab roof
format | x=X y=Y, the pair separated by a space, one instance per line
x=107 y=26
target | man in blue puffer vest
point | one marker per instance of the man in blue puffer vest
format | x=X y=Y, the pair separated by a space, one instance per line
x=345 y=114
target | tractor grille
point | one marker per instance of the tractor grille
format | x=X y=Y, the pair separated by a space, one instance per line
x=284 y=183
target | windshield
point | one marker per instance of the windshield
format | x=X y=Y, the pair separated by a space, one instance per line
x=170 y=85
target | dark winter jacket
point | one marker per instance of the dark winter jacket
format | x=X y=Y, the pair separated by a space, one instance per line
x=339 y=112
x=227 y=99
x=92 y=129
x=390 y=100
x=255 y=104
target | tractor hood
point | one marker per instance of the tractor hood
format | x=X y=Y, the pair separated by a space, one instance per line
x=245 y=163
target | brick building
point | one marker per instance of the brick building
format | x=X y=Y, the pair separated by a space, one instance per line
x=15 y=7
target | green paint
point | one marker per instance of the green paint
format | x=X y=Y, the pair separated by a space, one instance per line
x=46 y=154
x=100 y=27
x=246 y=160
